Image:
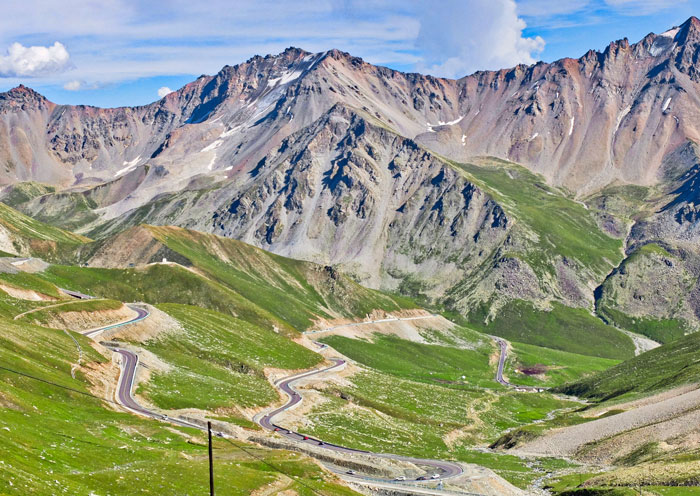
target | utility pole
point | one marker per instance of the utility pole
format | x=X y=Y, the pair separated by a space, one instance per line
x=211 y=463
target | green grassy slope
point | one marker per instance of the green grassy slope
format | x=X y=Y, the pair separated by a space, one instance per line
x=41 y=238
x=217 y=361
x=673 y=364
x=563 y=328
x=48 y=316
x=63 y=441
x=538 y=366
x=19 y=193
x=33 y=282
x=428 y=363
x=428 y=400
x=627 y=301
x=293 y=290
x=563 y=227
x=161 y=284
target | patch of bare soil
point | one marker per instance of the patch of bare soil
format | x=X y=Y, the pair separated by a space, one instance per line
x=103 y=377
x=25 y=294
x=277 y=487
x=80 y=321
x=408 y=324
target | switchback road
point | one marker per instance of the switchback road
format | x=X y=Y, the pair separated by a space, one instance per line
x=444 y=469
x=129 y=364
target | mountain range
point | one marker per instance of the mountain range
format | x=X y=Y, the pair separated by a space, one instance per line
x=566 y=185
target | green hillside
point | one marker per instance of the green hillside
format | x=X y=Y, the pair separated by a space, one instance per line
x=41 y=238
x=573 y=330
x=294 y=291
x=561 y=226
x=57 y=438
x=218 y=361
x=673 y=364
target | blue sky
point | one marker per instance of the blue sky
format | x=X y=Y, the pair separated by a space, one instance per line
x=122 y=52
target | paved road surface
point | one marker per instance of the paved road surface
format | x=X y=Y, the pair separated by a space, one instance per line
x=444 y=468
x=141 y=314
x=501 y=364
x=129 y=364
x=502 y=361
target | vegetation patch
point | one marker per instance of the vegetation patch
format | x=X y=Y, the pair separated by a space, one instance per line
x=218 y=361
x=32 y=282
x=668 y=366
x=563 y=227
x=563 y=328
x=539 y=366
x=57 y=440
x=418 y=361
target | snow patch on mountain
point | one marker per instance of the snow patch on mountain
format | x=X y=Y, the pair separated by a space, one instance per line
x=130 y=165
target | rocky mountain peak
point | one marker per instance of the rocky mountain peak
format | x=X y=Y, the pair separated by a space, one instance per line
x=688 y=32
x=22 y=98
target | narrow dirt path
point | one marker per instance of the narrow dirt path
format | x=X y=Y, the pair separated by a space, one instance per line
x=38 y=309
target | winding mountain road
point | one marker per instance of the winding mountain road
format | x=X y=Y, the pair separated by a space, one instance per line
x=444 y=469
x=130 y=362
x=502 y=361
x=141 y=314
x=503 y=345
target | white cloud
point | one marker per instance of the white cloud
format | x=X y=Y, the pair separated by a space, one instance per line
x=73 y=85
x=463 y=36
x=164 y=90
x=34 y=61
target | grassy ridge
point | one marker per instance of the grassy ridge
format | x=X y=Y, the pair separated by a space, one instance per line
x=30 y=229
x=157 y=284
x=673 y=364
x=563 y=328
x=294 y=291
x=33 y=282
x=218 y=361
x=46 y=316
x=563 y=227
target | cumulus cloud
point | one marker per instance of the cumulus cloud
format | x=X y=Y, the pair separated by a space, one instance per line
x=34 y=61
x=463 y=36
x=164 y=90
